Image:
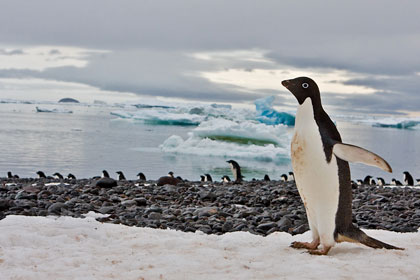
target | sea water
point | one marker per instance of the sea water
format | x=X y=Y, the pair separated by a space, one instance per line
x=188 y=140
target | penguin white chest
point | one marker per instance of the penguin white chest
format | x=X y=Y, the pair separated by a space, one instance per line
x=316 y=179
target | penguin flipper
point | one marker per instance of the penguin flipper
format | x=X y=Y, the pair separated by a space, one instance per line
x=353 y=153
x=358 y=236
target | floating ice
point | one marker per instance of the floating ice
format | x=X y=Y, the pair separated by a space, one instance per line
x=266 y=114
x=161 y=117
x=55 y=110
x=389 y=122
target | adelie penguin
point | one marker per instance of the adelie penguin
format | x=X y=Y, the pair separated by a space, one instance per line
x=11 y=176
x=322 y=173
x=266 y=178
x=381 y=181
x=395 y=182
x=121 y=176
x=408 y=179
x=71 y=177
x=41 y=174
x=283 y=177
x=225 y=179
x=236 y=171
x=291 y=177
x=141 y=176
x=208 y=178
x=58 y=176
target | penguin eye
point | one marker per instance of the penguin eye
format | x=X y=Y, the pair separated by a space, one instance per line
x=305 y=85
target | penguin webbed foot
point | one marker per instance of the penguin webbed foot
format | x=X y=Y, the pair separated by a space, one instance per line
x=320 y=252
x=305 y=245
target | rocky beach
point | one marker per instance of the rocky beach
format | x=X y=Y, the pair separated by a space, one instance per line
x=258 y=207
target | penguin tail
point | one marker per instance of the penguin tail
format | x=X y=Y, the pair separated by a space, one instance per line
x=358 y=236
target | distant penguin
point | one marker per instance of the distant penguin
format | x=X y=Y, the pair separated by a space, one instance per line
x=266 y=178
x=105 y=174
x=395 y=182
x=418 y=182
x=381 y=181
x=10 y=176
x=171 y=174
x=41 y=174
x=208 y=178
x=367 y=180
x=408 y=179
x=58 y=176
x=225 y=179
x=236 y=171
x=202 y=178
x=121 y=176
x=283 y=177
x=322 y=173
x=359 y=182
x=291 y=177
x=141 y=176
x=179 y=178
x=71 y=176
x=372 y=182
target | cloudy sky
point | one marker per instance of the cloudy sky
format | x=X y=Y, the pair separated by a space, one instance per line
x=365 y=55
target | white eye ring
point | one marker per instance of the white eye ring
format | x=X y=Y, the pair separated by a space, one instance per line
x=305 y=85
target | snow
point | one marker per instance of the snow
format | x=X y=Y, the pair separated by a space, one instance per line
x=71 y=248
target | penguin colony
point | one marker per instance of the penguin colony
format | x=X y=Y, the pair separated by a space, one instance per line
x=320 y=170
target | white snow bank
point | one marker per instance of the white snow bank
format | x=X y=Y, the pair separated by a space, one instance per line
x=69 y=248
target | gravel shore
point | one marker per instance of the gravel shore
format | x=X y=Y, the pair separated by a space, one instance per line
x=258 y=207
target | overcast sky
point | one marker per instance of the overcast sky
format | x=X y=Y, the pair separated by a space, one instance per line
x=365 y=55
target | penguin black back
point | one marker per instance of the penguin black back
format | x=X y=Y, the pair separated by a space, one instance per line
x=58 y=175
x=105 y=174
x=41 y=174
x=71 y=176
x=266 y=178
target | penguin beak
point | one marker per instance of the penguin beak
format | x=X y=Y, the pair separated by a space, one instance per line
x=286 y=83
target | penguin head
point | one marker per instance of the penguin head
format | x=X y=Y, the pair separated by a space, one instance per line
x=302 y=88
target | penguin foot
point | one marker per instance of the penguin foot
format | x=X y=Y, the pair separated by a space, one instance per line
x=305 y=245
x=320 y=252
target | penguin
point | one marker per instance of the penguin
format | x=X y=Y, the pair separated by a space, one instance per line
x=141 y=176
x=283 y=177
x=367 y=180
x=236 y=170
x=381 y=181
x=41 y=174
x=372 y=182
x=395 y=182
x=10 y=176
x=225 y=179
x=266 y=177
x=291 y=177
x=322 y=172
x=202 y=178
x=105 y=174
x=208 y=178
x=120 y=175
x=58 y=176
x=359 y=182
x=418 y=182
x=171 y=174
x=71 y=176
x=408 y=179
x=179 y=178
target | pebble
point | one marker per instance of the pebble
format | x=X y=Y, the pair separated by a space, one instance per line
x=213 y=208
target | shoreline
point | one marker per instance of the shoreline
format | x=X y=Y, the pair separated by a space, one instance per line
x=258 y=207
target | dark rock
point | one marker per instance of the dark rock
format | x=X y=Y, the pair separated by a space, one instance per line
x=266 y=226
x=55 y=208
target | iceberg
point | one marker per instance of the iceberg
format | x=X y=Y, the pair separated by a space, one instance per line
x=226 y=138
x=266 y=114
x=389 y=122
